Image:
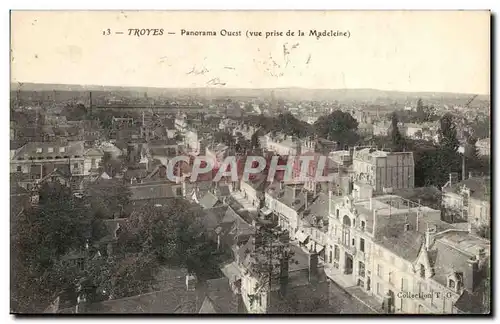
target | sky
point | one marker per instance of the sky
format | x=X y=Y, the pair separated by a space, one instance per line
x=437 y=51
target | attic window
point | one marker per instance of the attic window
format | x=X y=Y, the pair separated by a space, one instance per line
x=50 y=149
x=39 y=150
x=363 y=224
x=407 y=227
x=451 y=284
x=62 y=149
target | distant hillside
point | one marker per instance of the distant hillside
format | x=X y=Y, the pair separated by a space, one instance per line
x=361 y=95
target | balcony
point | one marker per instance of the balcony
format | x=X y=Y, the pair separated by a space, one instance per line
x=348 y=247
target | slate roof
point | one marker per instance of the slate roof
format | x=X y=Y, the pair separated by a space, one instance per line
x=174 y=298
x=213 y=217
x=318 y=210
x=470 y=303
x=220 y=297
x=209 y=200
x=480 y=187
x=405 y=244
x=448 y=257
x=154 y=191
x=71 y=149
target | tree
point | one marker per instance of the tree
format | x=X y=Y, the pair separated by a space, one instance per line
x=484 y=231
x=39 y=238
x=225 y=138
x=338 y=126
x=448 y=139
x=108 y=198
x=254 y=140
x=178 y=136
x=269 y=261
x=173 y=235
x=398 y=141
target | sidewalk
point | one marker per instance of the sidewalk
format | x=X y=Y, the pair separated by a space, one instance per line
x=355 y=291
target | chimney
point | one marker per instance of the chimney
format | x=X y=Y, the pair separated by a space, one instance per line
x=284 y=273
x=313 y=267
x=191 y=282
x=471 y=278
x=375 y=212
x=429 y=237
x=305 y=200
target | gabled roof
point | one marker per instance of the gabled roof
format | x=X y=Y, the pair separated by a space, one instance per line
x=219 y=298
x=71 y=149
x=154 y=191
x=209 y=200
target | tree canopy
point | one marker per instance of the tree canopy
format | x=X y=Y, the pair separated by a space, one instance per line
x=338 y=126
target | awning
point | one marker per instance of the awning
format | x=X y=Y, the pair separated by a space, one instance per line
x=319 y=248
x=302 y=237
x=266 y=211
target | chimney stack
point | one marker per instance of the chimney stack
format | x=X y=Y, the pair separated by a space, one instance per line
x=305 y=200
x=429 y=237
x=471 y=278
x=191 y=282
x=313 y=267
x=284 y=273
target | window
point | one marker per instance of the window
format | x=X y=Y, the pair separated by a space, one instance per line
x=62 y=149
x=75 y=165
x=39 y=150
x=361 y=269
x=380 y=270
x=50 y=149
x=407 y=227
x=178 y=191
x=336 y=253
x=19 y=169
x=363 y=225
x=451 y=284
x=422 y=271
x=362 y=245
x=353 y=242
x=330 y=258
x=337 y=213
x=380 y=289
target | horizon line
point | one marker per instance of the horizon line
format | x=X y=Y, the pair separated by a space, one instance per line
x=241 y=88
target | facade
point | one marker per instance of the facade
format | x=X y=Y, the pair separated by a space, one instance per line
x=382 y=170
x=282 y=145
x=469 y=200
x=401 y=253
x=38 y=159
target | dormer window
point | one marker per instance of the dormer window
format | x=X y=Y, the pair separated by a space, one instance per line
x=363 y=224
x=50 y=149
x=62 y=149
x=451 y=284
x=422 y=271
x=39 y=150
